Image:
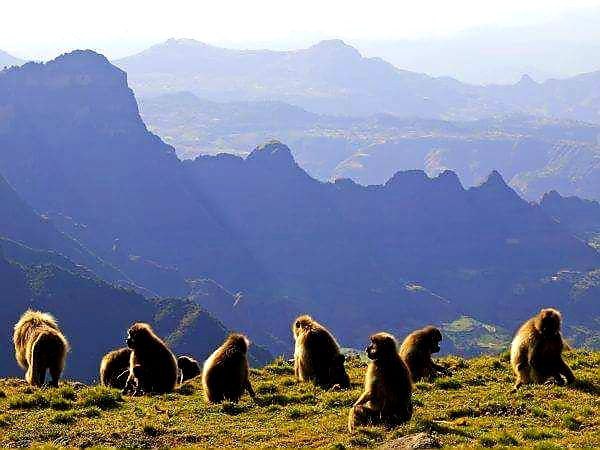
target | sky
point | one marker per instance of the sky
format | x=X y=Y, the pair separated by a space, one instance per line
x=43 y=29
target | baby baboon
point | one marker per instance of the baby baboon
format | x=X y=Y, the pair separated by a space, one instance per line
x=536 y=350
x=188 y=368
x=317 y=354
x=225 y=372
x=152 y=366
x=416 y=352
x=40 y=346
x=387 y=392
x=114 y=368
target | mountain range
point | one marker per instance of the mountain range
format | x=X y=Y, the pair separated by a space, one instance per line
x=534 y=154
x=256 y=240
x=332 y=77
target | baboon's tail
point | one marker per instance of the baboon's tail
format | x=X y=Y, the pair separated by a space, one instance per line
x=48 y=352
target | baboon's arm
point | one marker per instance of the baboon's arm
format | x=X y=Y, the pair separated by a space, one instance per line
x=364 y=398
x=566 y=371
x=440 y=368
x=249 y=388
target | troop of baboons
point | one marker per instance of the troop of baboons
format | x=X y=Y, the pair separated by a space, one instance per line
x=147 y=365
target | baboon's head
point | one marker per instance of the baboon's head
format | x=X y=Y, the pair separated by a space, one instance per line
x=137 y=334
x=337 y=371
x=382 y=346
x=548 y=322
x=433 y=337
x=302 y=323
x=238 y=342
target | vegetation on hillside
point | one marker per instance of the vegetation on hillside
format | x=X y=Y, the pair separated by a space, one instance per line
x=473 y=407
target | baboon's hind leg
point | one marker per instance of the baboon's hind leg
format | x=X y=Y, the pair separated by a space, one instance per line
x=55 y=371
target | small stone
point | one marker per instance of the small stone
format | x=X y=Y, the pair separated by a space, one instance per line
x=414 y=441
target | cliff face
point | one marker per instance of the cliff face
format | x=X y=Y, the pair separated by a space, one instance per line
x=76 y=148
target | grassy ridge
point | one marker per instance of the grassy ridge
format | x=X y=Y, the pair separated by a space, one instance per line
x=474 y=407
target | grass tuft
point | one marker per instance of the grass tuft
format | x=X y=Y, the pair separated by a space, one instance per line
x=64 y=418
x=572 y=423
x=28 y=401
x=448 y=383
x=152 y=429
x=101 y=397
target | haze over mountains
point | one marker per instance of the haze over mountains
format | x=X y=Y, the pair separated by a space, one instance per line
x=257 y=240
x=362 y=118
x=332 y=77
x=560 y=47
x=534 y=154
x=7 y=60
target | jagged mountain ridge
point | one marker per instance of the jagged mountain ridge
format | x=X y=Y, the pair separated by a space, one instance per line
x=533 y=165
x=534 y=154
x=412 y=251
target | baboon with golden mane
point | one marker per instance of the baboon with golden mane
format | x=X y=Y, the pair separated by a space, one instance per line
x=114 y=368
x=536 y=350
x=225 y=375
x=152 y=366
x=40 y=346
x=317 y=354
x=416 y=351
x=387 y=395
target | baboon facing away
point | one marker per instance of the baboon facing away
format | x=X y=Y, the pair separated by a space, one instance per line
x=536 y=350
x=388 y=388
x=225 y=372
x=114 y=368
x=188 y=368
x=40 y=346
x=416 y=351
x=152 y=366
x=317 y=354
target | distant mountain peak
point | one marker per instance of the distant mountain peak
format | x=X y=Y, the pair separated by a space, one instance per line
x=404 y=177
x=84 y=67
x=494 y=186
x=184 y=42
x=495 y=179
x=418 y=180
x=272 y=152
x=551 y=196
x=450 y=180
x=334 y=46
x=526 y=80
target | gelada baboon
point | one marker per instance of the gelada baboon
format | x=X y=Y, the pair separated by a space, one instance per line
x=40 y=346
x=317 y=354
x=188 y=368
x=387 y=391
x=114 y=368
x=152 y=366
x=416 y=351
x=536 y=350
x=225 y=372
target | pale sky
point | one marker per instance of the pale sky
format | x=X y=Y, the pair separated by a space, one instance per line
x=42 y=29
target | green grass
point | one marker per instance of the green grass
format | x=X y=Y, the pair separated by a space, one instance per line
x=475 y=407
